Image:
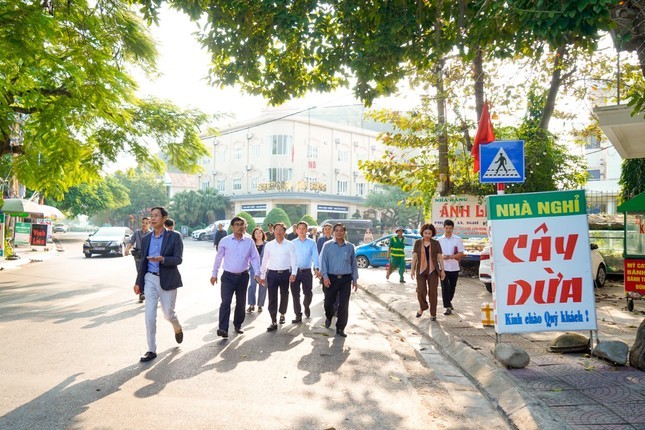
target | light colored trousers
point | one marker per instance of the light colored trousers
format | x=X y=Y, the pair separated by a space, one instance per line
x=154 y=295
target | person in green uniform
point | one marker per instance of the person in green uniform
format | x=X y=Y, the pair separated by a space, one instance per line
x=396 y=254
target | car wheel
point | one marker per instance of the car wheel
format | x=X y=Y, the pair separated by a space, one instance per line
x=601 y=276
x=87 y=254
x=202 y=236
x=489 y=287
x=362 y=262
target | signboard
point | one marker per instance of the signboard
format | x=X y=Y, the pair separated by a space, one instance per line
x=542 y=278
x=502 y=161
x=468 y=213
x=634 y=275
x=38 y=235
x=22 y=233
x=2 y=228
x=259 y=207
x=327 y=208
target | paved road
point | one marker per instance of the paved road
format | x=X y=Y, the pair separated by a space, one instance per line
x=72 y=333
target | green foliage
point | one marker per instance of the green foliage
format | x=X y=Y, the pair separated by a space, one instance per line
x=309 y=220
x=250 y=222
x=391 y=201
x=202 y=207
x=145 y=189
x=90 y=198
x=68 y=101
x=277 y=215
x=632 y=178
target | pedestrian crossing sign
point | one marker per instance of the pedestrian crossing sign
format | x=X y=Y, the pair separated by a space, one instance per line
x=502 y=161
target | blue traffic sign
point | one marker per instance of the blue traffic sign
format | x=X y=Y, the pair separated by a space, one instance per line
x=502 y=161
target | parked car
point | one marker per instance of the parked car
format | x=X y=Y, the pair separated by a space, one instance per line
x=598 y=267
x=355 y=228
x=107 y=241
x=60 y=228
x=375 y=253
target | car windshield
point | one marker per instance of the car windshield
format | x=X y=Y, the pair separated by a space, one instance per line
x=109 y=231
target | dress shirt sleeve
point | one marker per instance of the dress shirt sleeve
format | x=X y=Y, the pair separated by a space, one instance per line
x=292 y=258
x=255 y=259
x=218 y=258
x=265 y=259
x=314 y=255
x=324 y=264
x=354 y=264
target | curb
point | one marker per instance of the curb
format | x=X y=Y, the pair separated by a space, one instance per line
x=520 y=408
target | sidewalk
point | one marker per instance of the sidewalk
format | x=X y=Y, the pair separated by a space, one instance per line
x=30 y=254
x=555 y=391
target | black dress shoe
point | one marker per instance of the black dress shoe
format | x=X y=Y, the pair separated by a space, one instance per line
x=179 y=336
x=272 y=327
x=281 y=319
x=297 y=320
x=222 y=333
x=341 y=333
x=239 y=330
x=327 y=323
x=448 y=311
x=148 y=356
x=307 y=312
x=141 y=298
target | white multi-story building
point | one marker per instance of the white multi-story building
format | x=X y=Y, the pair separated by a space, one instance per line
x=294 y=162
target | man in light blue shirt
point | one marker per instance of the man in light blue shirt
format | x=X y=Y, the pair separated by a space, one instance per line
x=306 y=257
x=339 y=272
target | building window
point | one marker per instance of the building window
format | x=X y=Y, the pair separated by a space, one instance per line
x=310 y=181
x=220 y=156
x=343 y=156
x=341 y=187
x=237 y=184
x=220 y=186
x=237 y=153
x=255 y=151
x=281 y=144
x=279 y=174
x=206 y=184
x=594 y=174
x=254 y=183
x=312 y=151
x=360 y=189
x=592 y=142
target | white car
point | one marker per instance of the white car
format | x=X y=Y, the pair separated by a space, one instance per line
x=598 y=267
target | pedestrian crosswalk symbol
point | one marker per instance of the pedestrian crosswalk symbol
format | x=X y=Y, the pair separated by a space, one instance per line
x=501 y=167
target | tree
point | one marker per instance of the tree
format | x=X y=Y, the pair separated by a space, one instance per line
x=89 y=199
x=145 y=190
x=67 y=103
x=632 y=178
x=198 y=208
x=277 y=215
x=391 y=202
x=250 y=222
x=309 y=220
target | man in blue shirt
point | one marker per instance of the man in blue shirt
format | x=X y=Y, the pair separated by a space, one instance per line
x=339 y=272
x=236 y=251
x=306 y=257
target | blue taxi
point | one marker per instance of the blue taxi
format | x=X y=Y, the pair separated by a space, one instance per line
x=375 y=253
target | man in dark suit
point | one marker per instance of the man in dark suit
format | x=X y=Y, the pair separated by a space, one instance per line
x=158 y=277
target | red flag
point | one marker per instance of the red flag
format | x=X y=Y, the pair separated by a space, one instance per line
x=484 y=135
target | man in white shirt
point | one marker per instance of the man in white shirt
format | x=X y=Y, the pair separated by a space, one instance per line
x=278 y=270
x=452 y=248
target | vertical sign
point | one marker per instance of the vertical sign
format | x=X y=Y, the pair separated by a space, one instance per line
x=542 y=278
x=22 y=233
x=468 y=213
x=2 y=235
x=38 y=235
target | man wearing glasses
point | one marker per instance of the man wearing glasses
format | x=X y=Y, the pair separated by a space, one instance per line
x=236 y=252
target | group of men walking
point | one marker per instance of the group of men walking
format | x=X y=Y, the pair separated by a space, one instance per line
x=286 y=267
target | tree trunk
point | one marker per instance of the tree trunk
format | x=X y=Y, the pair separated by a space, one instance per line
x=554 y=87
x=442 y=137
x=478 y=76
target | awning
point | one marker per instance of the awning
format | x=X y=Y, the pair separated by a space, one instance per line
x=22 y=208
x=52 y=212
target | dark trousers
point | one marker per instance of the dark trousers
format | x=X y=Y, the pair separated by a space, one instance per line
x=340 y=288
x=277 y=281
x=427 y=291
x=304 y=278
x=448 y=286
x=233 y=285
